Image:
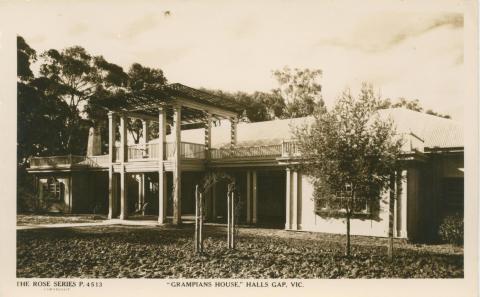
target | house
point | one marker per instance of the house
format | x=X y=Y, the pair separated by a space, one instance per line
x=160 y=174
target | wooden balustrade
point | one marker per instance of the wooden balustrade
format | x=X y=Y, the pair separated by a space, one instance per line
x=290 y=149
x=188 y=150
x=149 y=151
x=137 y=152
x=116 y=153
x=152 y=151
x=192 y=150
x=97 y=161
x=274 y=150
x=56 y=161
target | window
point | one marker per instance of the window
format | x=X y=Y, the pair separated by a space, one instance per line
x=53 y=189
x=333 y=205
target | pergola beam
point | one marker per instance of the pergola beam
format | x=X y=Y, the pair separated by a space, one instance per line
x=204 y=107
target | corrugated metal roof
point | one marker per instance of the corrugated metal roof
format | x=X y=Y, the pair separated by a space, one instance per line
x=434 y=132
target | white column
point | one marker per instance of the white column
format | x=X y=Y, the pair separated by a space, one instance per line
x=40 y=189
x=177 y=174
x=401 y=196
x=233 y=131
x=66 y=193
x=145 y=131
x=162 y=178
x=249 y=197
x=111 y=158
x=208 y=135
x=294 y=182
x=288 y=199
x=299 y=200
x=123 y=159
x=141 y=189
x=254 y=196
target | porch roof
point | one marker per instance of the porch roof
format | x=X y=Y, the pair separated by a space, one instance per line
x=194 y=103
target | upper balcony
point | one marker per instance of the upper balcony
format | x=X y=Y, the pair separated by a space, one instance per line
x=188 y=151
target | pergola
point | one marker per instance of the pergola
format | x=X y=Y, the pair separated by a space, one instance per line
x=179 y=105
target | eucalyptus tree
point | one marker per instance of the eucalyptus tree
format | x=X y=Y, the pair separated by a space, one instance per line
x=300 y=89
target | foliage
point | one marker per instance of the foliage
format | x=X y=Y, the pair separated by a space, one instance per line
x=409 y=104
x=431 y=112
x=297 y=95
x=300 y=90
x=25 y=56
x=26 y=200
x=77 y=75
x=258 y=106
x=143 y=78
x=167 y=252
x=349 y=151
x=451 y=229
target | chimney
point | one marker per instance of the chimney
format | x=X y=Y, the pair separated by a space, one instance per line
x=94 y=146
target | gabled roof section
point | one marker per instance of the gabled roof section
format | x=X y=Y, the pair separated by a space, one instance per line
x=433 y=131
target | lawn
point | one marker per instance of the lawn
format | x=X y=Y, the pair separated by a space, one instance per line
x=167 y=252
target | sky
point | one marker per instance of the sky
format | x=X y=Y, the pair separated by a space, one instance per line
x=411 y=49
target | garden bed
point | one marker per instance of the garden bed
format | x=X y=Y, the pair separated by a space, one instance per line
x=167 y=252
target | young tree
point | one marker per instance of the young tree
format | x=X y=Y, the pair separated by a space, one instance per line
x=350 y=152
x=300 y=90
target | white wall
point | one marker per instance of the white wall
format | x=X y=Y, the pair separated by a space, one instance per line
x=313 y=222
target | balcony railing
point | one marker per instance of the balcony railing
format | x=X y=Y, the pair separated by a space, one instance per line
x=149 y=151
x=192 y=151
x=56 y=161
x=187 y=150
x=247 y=152
x=290 y=149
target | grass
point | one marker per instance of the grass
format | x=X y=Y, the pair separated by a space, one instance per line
x=167 y=252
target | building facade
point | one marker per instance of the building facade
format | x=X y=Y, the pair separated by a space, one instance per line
x=158 y=176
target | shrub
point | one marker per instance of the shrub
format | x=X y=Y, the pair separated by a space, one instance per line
x=451 y=229
x=26 y=200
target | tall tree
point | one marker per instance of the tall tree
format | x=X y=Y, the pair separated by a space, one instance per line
x=300 y=89
x=143 y=78
x=77 y=77
x=41 y=115
x=350 y=152
x=40 y=120
x=25 y=57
